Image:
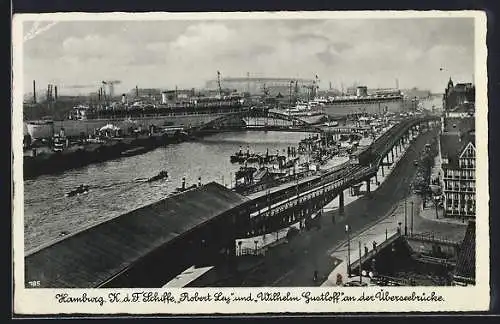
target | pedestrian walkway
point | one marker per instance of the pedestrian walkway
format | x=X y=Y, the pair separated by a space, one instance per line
x=414 y=220
x=257 y=244
x=429 y=213
x=377 y=233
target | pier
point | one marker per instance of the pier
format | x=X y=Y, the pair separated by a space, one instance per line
x=256 y=214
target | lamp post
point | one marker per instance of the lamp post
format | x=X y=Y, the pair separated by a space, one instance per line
x=436 y=202
x=360 y=272
x=406 y=227
x=347 y=230
x=411 y=228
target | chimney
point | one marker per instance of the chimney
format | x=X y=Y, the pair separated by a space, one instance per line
x=199 y=181
x=34 y=92
x=136 y=91
x=48 y=92
x=183 y=183
x=123 y=99
x=55 y=92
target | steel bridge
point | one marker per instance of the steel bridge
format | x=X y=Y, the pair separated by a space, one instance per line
x=257 y=119
x=275 y=208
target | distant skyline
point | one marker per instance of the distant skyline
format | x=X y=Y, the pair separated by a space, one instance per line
x=419 y=52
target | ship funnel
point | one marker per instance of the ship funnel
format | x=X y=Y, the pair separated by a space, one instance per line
x=124 y=99
x=55 y=92
x=183 y=183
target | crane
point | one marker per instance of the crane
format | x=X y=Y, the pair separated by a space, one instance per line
x=218 y=84
x=111 y=86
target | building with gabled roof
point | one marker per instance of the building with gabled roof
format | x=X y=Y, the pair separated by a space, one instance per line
x=459 y=100
x=145 y=247
x=457 y=151
x=458 y=162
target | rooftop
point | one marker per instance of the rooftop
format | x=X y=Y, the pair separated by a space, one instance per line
x=459 y=125
x=89 y=258
x=187 y=276
x=452 y=145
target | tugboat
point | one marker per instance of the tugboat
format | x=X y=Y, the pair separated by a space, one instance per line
x=81 y=189
x=184 y=188
x=162 y=175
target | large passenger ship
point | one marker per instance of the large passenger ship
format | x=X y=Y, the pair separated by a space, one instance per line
x=380 y=102
x=83 y=119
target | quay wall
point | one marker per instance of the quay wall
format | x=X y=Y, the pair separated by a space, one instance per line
x=52 y=162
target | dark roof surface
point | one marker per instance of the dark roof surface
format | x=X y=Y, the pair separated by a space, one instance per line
x=89 y=258
x=452 y=145
x=459 y=124
x=466 y=263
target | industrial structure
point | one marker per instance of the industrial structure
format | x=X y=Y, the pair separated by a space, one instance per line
x=260 y=85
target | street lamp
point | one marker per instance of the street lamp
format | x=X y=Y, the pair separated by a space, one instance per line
x=347 y=230
x=406 y=227
x=360 y=264
x=411 y=228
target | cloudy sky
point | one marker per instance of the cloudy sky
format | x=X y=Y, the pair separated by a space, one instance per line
x=164 y=54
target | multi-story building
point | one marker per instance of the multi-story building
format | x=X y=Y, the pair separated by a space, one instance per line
x=458 y=161
x=457 y=151
x=459 y=100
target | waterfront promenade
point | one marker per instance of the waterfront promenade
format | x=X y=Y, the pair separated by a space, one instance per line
x=293 y=263
x=388 y=226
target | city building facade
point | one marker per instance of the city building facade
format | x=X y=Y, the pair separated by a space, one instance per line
x=457 y=152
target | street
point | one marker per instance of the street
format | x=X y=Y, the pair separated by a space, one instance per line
x=293 y=264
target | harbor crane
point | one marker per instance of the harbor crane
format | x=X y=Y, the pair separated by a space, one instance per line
x=111 y=87
x=219 y=83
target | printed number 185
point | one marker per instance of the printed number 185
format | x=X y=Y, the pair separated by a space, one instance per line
x=34 y=283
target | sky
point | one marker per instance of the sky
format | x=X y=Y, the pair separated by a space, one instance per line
x=419 y=52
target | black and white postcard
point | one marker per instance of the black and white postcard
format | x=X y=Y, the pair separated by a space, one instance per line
x=248 y=163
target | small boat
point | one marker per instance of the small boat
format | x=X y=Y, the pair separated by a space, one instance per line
x=135 y=151
x=159 y=176
x=81 y=189
x=180 y=189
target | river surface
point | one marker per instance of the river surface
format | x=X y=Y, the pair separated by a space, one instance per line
x=116 y=185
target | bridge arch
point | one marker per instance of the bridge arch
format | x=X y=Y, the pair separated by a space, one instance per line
x=239 y=119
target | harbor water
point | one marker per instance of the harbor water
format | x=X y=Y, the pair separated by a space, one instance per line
x=118 y=186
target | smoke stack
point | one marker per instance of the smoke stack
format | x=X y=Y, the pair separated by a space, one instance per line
x=34 y=92
x=123 y=99
x=136 y=91
x=183 y=183
x=48 y=92
x=199 y=181
x=55 y=92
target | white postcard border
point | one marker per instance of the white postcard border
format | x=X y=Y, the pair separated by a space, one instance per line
x=44 y=301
